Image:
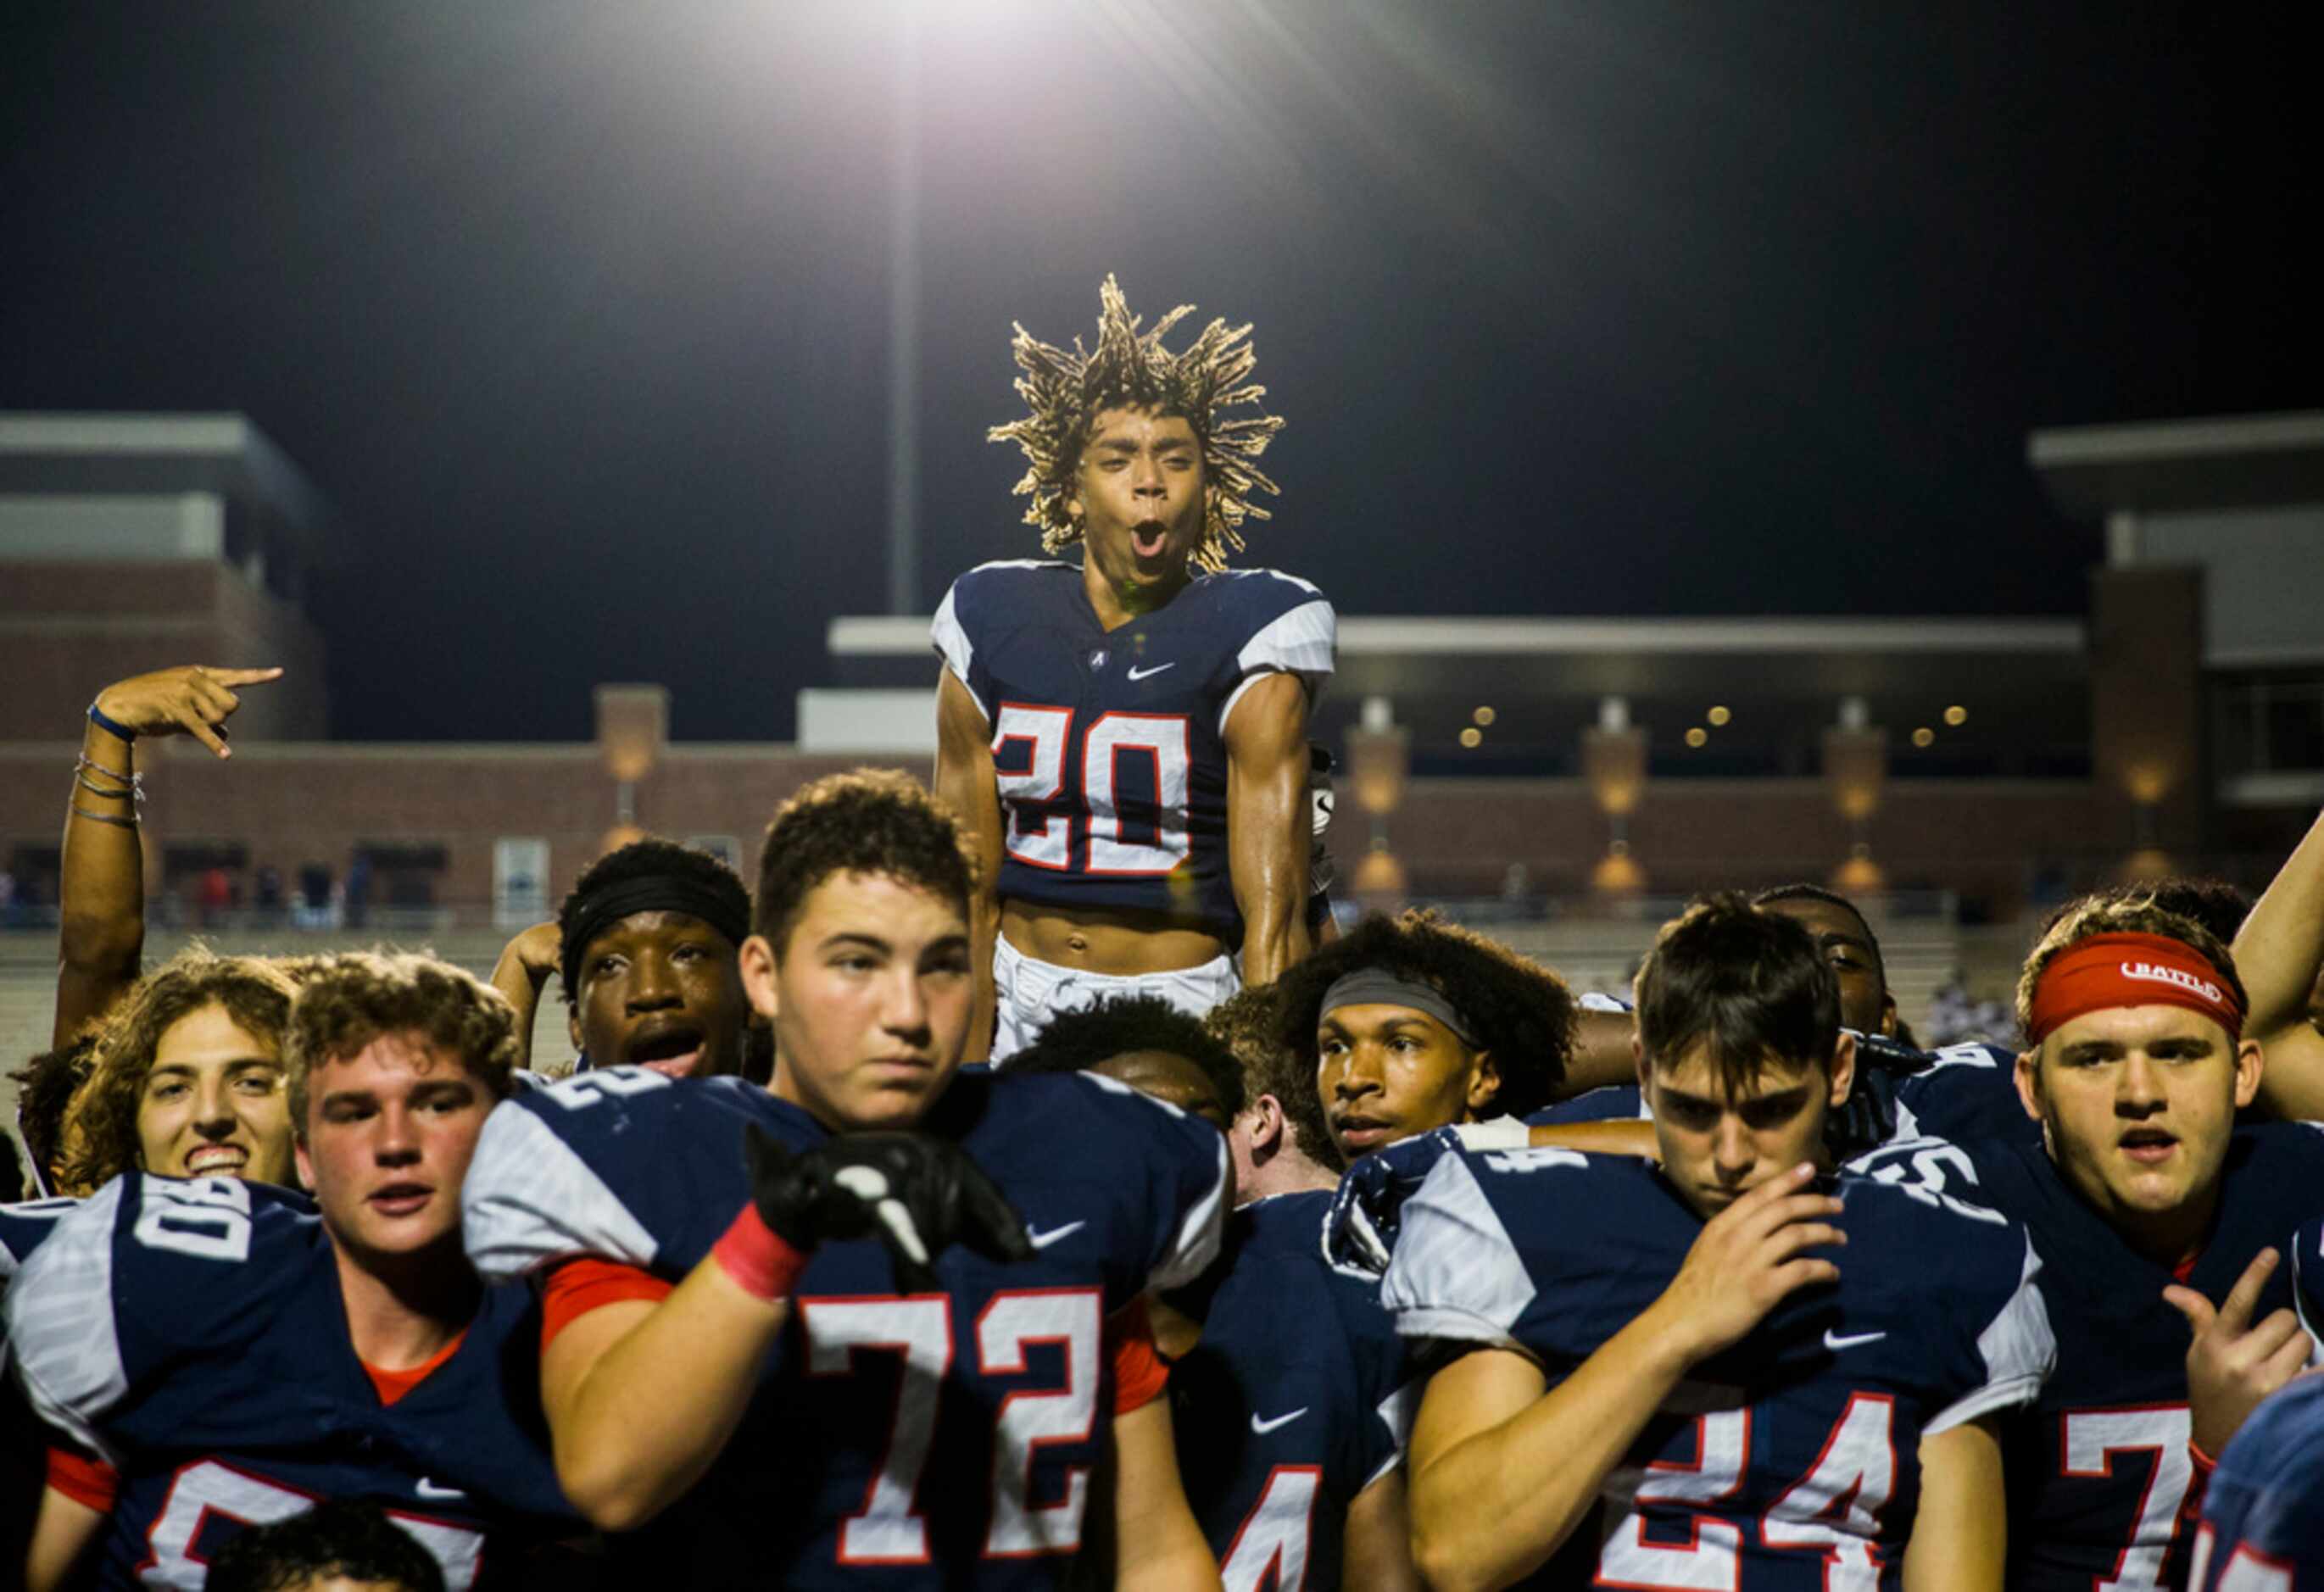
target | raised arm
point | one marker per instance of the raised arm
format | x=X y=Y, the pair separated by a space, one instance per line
x=102 y=885
x=2277 y=953
x=1268 y=823
x=965 y=779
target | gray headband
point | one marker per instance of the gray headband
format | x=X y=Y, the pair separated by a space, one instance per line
x=1369 y=986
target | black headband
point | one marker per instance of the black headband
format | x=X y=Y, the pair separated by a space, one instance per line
x=665 y=893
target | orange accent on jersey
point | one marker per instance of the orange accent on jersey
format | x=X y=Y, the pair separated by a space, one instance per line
x=580 y=1286
x=393 y=1385
x=84 y=1479
x=1139 y=1372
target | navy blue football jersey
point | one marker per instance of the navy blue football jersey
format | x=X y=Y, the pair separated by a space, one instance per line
x=2097 y=1466
x=2263 y=1527
x=931 y=1440
x=191 y=1333
x=1109 y=746
x=1294 y=1402
x=1792 y=1458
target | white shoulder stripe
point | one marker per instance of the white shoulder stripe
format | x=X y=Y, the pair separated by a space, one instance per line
x=952 y=645
x=1301 y=642
x=2019 y=1350
x=61 y=1322
x=1455 y=1273
x=530 y=1200
x=1196 y=1243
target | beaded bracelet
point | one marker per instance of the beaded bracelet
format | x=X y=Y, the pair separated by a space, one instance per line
x=104 y=817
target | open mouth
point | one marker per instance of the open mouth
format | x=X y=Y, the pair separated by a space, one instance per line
x=674 y=1051
x=216 y=1161
x=401 y=1198
x=2148 y=1147
x=1148 y=538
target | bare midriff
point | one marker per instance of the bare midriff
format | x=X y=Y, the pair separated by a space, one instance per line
x=1120 y=944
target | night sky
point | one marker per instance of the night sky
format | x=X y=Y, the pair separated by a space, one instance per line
x=577 y=312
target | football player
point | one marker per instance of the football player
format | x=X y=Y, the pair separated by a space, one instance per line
x=1769 y=1377
x=1127 y=736
x=646 y=945
x=222 y=1353
x=2152 y=1209
x=1900 y=1091
x=1413 y=1023
x=782 y=1370
x=188 y=1079
x=1285 y=1374
x=1145 y=1042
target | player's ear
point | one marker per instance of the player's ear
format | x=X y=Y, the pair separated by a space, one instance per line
x=1844 y=1069
x=1888 y=1015
x=756 y=961
x=304 y=1161
x=1638 y=1060
x=2249 y=1063
x=2028 y=1076
x=573 y=1024
x=1484 y=1083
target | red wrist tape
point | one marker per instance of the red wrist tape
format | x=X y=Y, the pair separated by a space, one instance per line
x=757 y=1257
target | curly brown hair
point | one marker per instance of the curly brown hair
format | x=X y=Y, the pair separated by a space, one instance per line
x=1064 y=390
x=865 y=821
x=2112 y=912
x=351 y=999
x=1521 y=1012
x=99 y=1138
x=1245 y=1023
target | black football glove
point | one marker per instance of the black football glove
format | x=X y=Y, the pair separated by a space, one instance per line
x=914 y=1192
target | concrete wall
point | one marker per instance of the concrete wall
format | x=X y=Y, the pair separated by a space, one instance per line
x=67 y=629
x=2263 y=569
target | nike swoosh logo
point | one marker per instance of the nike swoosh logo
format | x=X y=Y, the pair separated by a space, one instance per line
x=1158 y=669
x=1262 y=1427
x=429 y=1489
x=1833 y=1341
x=1043 y=1241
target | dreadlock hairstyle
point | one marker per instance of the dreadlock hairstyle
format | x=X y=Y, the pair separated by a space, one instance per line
x=1128 y=368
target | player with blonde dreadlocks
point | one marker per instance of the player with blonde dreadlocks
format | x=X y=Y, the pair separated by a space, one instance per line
x=1126 y=736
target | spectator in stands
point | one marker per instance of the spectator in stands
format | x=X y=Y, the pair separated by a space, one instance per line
x=101 y=890
x=334 y=1547
x=646 y=945
x=188 y=1078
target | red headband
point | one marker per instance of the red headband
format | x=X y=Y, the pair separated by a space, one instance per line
x=2110 y=970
